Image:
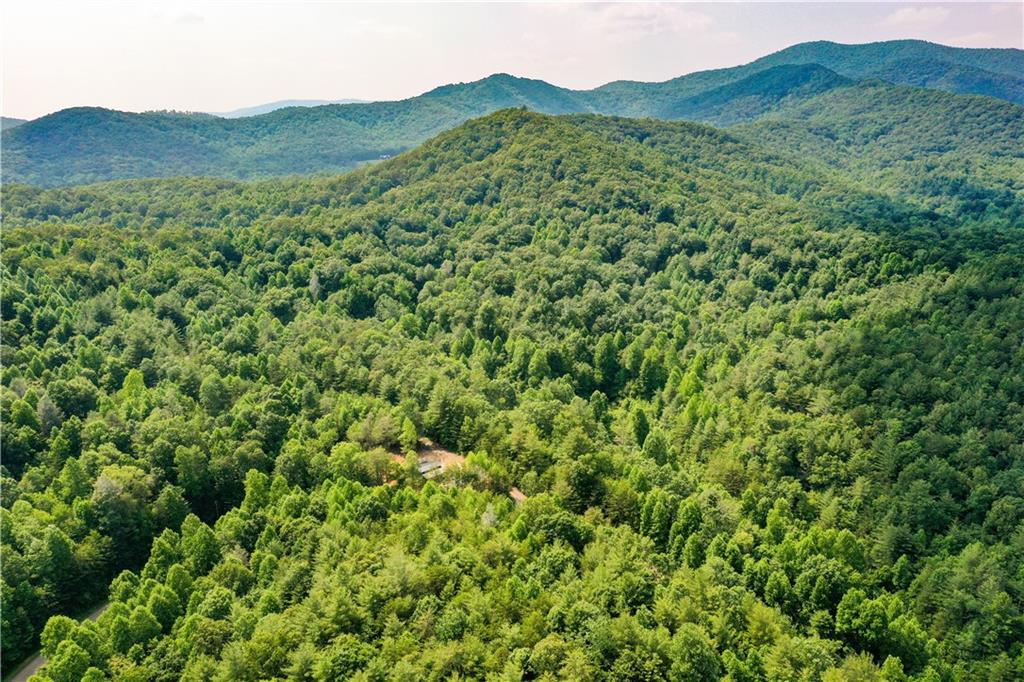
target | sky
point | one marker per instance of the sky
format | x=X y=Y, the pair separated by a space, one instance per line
x=222 y=55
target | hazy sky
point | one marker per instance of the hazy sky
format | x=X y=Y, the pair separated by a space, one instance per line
x=216 y=56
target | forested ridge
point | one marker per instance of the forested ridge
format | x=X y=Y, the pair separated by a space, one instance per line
x=89 y=144
x=765 y=408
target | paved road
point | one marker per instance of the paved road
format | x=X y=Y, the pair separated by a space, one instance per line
x=29 y=667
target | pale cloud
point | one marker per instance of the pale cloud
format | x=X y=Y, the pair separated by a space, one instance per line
x=727 y=38
x=189 y=18
x=365 y=27
x=1004 y=7
x=917 y=17
x=640 y=20
x=976 y=39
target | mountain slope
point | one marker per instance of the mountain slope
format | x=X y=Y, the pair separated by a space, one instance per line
x=89 y=142
x=951 y=77
x=756 y=95
x=731 y=166
x=84 y=145
x=995 y=72
x=81 y=145
x=6 y=122
x=953 y=153
x=764 y=422
x=991 y=72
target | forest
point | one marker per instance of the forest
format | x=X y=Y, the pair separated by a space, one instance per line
x=742 y=404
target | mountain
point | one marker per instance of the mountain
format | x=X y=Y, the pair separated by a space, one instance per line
x=6 y=122
x=85 y=145
x=691 y=406
x=756 y=95
x=995 y=72
x=953 y=78
x=951 y=153
x=991 y=72
x=281 y=104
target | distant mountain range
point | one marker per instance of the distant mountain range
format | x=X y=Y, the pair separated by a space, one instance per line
x=9 y=122
x=281 y=104
x=83 y=145
x=6 y=122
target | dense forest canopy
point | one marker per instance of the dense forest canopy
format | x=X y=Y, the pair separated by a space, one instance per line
x=743 y=404
x=89 y=144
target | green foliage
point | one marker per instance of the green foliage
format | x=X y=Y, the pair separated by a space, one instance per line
x=762 y=419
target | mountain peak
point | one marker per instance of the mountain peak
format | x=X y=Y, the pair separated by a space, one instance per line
x=76 y=145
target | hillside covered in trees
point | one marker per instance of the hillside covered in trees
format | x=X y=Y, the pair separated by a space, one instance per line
x=89 y=144
x=761 y=391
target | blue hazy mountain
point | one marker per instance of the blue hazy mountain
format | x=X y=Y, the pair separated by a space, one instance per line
x=280 y=104
x=89 y=144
